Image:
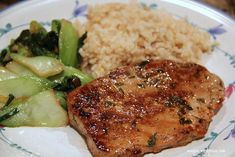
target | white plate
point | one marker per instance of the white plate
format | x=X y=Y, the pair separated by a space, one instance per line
x=61 y=142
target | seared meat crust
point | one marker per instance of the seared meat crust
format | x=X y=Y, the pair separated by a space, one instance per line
x=145 y=108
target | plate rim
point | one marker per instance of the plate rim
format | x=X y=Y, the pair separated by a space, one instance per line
x=197 y=3
x=215 y=9
x=226 y=19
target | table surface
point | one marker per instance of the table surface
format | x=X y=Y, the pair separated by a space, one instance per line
x=228 y=6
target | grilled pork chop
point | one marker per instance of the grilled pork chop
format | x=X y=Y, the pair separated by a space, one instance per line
x=145 y=108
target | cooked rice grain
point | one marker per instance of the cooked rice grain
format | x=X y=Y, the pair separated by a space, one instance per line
x=124 y=34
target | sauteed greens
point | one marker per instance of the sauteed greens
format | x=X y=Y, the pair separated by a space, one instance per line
x=37 y=70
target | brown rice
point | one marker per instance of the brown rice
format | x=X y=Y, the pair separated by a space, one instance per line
x=124 y=34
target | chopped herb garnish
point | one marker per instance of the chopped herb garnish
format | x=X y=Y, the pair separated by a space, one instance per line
x=160 y=70
x=133 y=124
x=176 y=100
x=108 y=103
x=121 y=90
x=197 y=73
x=131 y=76
x=152 y=140
x=172 y=85
x=185 y=121
x=105 y=130
x=200 y=120
x=119 y=84
x=154 y=82
x=201 y=100
x=84 y=113
x=147 y=76
x=141 y=85
x=143 y=64
x=207 y=77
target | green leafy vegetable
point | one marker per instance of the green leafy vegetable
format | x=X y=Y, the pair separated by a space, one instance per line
x=11 y=97
x=61 y=97
x=24 y=86
x=37 y=54
x=68 y=44
x=68 y=83
x=4 y=57
x=61 y=42
x=176 y=100
x=8 y=114
x=152 y=140
x=19 y=69
x=71 y=71
x=6 y=74
x=85 y=78
x=56 y=26
x=36 y=42
x=21 y=44
x=10 y=110
x=80 y=44
x=42 y=109
x=36 y=27
x=24 y=51
x=43 y=66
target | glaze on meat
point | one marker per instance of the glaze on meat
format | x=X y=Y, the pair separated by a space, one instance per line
x=145 y=108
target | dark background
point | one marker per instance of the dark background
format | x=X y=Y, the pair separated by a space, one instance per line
x=227 y=6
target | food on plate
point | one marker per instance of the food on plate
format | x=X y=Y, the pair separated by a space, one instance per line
x=42 y=66
x=19 y=69
x=129 y=110
x=61 y=42
x=37 y=70
x=24 y=86
x=42 y=109
x=6 y=74
x=145 y=108
x=68 y=43
x=124 y=34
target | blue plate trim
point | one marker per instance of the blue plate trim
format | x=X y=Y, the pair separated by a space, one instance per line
x=215 y=9
x=14 y=145
x=13 y=5
x=215 y=31
x=213 y=137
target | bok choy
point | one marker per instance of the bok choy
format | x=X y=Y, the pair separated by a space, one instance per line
x=37 y=70
x=42 y=109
